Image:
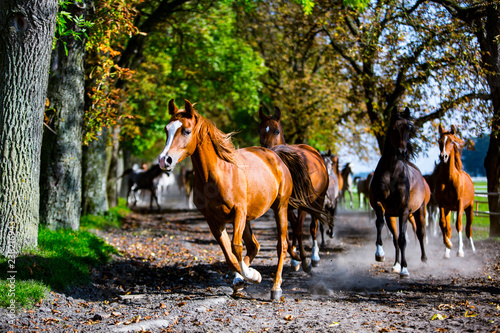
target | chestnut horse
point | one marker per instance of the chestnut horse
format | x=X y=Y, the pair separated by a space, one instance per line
x=398 y=189
x=231 y=186
x=271 y=136
x=454 y=190
x=363 y=186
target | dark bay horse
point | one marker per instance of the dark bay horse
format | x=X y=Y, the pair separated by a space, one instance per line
x=271 y=136
x=398 y=189
x=143 y=180
x=454 y=190
x=432 y=216
x=231 y=186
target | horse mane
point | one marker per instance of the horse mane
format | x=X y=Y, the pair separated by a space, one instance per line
x=457 y=146
x=410 y=144
x=221 y=141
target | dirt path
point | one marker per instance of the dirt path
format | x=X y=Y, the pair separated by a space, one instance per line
x=172 y=278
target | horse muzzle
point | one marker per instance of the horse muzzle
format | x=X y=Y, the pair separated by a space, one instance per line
x=444 y=157
x=167 y=164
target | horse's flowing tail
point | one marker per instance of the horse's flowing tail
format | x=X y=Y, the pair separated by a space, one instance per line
x=303 y=192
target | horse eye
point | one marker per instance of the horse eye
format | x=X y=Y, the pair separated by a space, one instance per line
x=186 y=132
x=277 y=132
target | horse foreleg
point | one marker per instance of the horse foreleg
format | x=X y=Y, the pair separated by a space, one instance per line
x=444 y=224
x=281 y=226
x=379 y=211
x=403 y=222
x=239 y=225
x=393 y=228
x=221 y=236
x=421 y=231
x=460 y=213
x=251 y=243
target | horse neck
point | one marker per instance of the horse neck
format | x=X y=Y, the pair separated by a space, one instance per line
x=389 y=157
x=206 y=162
x=451 y=169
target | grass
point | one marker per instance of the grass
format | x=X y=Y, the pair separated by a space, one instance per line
x=64 y=258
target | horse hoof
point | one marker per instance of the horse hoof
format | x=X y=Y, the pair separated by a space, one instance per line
x=276 y=294
x=446 y=256
x=396 y=268
x=295 y=265
x=404 y=273
x=379 y=258
x=460 y=254
x=257 y=278
x=238 y=287
x=306 y=267
x=315 y=263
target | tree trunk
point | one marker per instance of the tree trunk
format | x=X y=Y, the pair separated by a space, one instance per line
x=490 y=49
x=112 y=187
x=61 y=181
x=95 y=174
x=26 y=34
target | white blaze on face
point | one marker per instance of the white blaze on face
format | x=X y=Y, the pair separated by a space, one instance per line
x=267 y=129
x=171 y=129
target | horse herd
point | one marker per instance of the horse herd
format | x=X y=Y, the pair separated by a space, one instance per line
x=237 y=186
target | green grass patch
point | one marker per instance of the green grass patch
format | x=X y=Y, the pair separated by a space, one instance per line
x=111 y=219
x=63 y=258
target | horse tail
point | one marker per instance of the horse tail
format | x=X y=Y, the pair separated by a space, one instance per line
x=303 y=190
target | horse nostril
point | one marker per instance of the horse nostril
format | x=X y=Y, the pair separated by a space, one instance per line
x=169 y=160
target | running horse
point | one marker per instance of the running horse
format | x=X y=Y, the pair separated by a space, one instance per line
x=398 y=189
x=271 y=136
x=231 y=186
x=454 y=190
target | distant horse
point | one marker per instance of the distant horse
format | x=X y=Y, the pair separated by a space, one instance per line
x=454 y=190
x=187 y=177
x=332 y=194
x=363 y=186
x=398 y=189
x=232 y=186
x=271 y=136
x=432 y=216
x=346 y=175
x=143 y=180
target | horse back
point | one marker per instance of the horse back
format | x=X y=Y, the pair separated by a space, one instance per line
x=315 y=166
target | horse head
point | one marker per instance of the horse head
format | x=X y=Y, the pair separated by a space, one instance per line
x=181 y=136
x=400 y=131
x=448 y=143
x=270 y=132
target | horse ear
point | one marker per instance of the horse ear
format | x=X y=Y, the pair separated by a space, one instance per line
x=172 y=109
x=407 y=113
x=262 y=115
x=277 y=112
x=453 y=130
x=440 y=128
x=188 y=107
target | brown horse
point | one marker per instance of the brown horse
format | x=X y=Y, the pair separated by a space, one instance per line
x=432 y=216
x=454 y=190
x=398 y=189
x=271 y=136
x=231 y=186
x=363 y=186
x=346 y=175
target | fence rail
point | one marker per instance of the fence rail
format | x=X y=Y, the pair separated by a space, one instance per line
x=477 y=212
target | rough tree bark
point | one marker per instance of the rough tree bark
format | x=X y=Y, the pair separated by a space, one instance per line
x=26 y=34
x=61 y=180
x=95 y=173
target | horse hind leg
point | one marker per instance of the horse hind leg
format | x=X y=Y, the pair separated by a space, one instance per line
x=420 y=225
x=281 y=226
x=315 y=248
